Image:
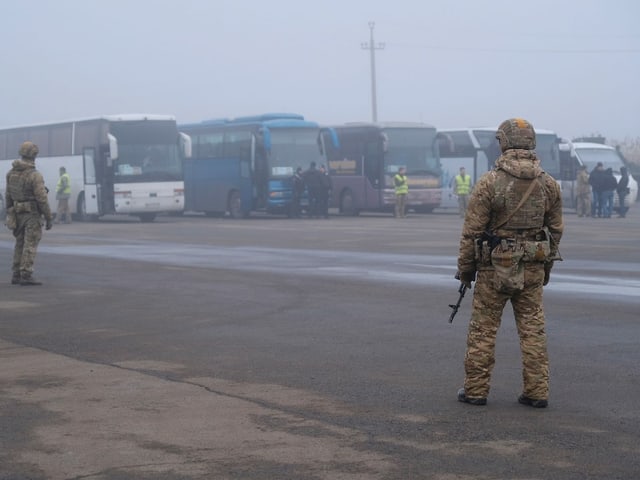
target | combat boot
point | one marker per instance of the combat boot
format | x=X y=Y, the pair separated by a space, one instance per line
x=15 y=279
x=533 y=402
x=462 y=397
x=27 y=279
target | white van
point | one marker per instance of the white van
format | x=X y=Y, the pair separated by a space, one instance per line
x=590 y=154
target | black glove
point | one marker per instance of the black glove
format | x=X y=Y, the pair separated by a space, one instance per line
x=466 y=278
x=547 y=272
x=49 y=225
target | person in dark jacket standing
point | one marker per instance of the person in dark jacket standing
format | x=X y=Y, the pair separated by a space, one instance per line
x=313 y=181
x=297 y=190
x=623 y=191
x=609 y=186
x=325 y=192
x=597 y=181
x=27 y=203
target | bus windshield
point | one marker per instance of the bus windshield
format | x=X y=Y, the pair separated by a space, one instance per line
x=147 y=163
x=291 y=148
x=591 y=156
x=549 y=154
x=546 y=149
x=412 y=148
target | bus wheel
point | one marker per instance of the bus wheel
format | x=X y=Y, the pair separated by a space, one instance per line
x=147 y=217
x=235 y=205
x=212 y=214
x=347 y=205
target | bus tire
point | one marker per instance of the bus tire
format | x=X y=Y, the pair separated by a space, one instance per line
x=347 y=204
x=147 y=217
x=235 y=205
x=212 y=214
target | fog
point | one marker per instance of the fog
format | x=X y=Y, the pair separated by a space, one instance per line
x=572 y=67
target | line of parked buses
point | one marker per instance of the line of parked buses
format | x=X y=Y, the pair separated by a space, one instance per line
x=144 y=165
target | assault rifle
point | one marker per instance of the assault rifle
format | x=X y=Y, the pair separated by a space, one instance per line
x=461 y=290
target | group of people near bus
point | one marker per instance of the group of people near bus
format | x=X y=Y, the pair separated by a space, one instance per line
x=595 y=192
x=317 y=183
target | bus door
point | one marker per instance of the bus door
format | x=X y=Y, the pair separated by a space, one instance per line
x=457 y=150
x=373 y=172
x=91 y=193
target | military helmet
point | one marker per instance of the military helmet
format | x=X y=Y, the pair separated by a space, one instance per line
x=516 y=133
x=28 y=150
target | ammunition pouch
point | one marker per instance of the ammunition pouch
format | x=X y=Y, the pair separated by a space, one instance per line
x=508 y=265
x=25 y=207
x=539 y=249
x=507 y=257
x=11 y=220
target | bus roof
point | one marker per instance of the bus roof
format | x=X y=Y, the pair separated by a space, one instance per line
x=265 y=117
x=270 y=120
x=386 y=125
x=599 y=146
x=539 y=131
x=127 y=117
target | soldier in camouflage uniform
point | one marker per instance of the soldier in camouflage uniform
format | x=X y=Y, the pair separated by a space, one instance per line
x=510 y=239
x=26 y=199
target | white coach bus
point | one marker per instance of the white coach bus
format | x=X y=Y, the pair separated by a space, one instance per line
x=120 y=164
x=476 y=149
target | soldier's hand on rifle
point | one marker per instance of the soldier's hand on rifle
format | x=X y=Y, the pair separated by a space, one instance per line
x=466 y=278
x=48 y=225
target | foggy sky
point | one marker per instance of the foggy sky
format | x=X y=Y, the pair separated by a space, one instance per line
x=568 y=66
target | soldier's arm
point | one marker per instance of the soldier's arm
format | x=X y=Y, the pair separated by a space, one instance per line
x=40 y=192
x=476 y=222
x=7 y=194
x=553 y=215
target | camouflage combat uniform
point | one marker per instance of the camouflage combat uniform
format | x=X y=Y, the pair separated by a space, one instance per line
x=27 y=196
x=583 y=193
x=519 y=231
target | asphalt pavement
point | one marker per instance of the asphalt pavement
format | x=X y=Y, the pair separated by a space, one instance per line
x=268 y=348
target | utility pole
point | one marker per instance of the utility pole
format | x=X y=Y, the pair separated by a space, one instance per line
x=372 y=47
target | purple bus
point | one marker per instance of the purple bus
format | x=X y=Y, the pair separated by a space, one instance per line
x=362 y=159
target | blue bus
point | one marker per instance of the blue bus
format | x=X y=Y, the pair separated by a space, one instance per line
x=245 y=164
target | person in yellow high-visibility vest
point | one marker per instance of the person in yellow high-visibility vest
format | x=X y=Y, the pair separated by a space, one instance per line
x=401 y=190
x=462 y=190
x=63 y=193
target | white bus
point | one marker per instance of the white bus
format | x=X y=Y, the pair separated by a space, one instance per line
x=120 y=164
x=476 y=149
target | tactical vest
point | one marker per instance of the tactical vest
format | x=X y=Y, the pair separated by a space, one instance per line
x=400 y=182
x=463 y=185
x=20 y=185
x=509 y=191
x=67 y=188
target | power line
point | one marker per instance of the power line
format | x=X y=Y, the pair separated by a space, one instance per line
x=518 y=50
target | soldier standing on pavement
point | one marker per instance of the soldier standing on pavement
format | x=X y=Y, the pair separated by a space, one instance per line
x=27 y=201
x=510 y=238
x=583 y=192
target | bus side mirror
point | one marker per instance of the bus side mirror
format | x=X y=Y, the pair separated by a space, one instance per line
x=185 y=145
x=113 y=147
